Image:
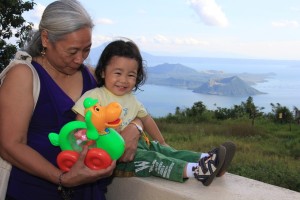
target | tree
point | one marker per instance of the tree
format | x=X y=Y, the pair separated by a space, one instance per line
x=281 y=113
x=252 y=110
x=197 y=109
x=13 y=25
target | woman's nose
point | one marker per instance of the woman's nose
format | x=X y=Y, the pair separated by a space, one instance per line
x=79 y=58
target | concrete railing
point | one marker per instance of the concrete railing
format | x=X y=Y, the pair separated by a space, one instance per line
x=228 y=187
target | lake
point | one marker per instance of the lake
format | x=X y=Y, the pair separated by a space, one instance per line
x=283 y=88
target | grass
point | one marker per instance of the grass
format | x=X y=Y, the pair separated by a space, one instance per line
x=266 y=152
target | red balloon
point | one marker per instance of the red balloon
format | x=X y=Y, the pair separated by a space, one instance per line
x=66 y=159
x=97 y=158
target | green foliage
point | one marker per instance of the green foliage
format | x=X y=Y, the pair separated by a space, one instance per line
x=268 y=152
x=13 y=25
x=252 y=110
x=281 y=114
x=199 y=113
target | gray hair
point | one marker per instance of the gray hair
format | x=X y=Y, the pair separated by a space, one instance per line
x=59 y=18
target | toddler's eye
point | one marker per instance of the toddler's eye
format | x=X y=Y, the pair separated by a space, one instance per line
x=132 y=75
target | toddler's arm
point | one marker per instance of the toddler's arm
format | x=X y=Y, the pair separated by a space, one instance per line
x=152 y=129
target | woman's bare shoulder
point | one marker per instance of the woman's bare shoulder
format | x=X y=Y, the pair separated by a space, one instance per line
x=19 y=70
x=19 y=74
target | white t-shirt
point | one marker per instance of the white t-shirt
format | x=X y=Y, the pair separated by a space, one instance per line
x=131 y=107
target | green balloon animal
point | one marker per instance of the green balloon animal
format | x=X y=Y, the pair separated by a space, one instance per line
x=97 y=132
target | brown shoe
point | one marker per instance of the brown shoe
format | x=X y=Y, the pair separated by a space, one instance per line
x=230 y=151
x=209 y=166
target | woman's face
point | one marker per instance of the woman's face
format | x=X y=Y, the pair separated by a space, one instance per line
x=67 y=54
x=120 y=75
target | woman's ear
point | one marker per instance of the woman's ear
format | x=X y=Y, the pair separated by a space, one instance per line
x=102 y=74
x=44 y=38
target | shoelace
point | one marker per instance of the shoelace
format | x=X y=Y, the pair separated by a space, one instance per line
x=202 y=163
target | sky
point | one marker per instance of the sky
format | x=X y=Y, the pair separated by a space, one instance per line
x=255 y=29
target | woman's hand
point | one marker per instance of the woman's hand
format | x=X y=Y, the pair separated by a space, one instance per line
x=81 y=174
x=131 y=135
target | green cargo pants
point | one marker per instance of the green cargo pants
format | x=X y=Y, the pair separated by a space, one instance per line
x=157 y=160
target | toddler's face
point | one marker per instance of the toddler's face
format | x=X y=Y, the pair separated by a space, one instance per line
x=120 y=75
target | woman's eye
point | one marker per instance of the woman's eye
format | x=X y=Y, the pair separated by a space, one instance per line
x=72 y=53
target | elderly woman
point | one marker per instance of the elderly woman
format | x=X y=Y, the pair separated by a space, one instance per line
x=58 y=50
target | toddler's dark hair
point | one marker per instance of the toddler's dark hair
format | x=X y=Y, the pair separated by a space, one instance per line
x=121 y=48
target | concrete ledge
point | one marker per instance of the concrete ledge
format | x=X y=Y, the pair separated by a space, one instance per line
x=228 y=187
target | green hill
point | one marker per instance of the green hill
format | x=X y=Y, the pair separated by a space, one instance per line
x=231 y=86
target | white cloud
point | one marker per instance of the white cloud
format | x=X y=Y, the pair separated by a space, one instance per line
x=161 y=39
x=209 y=12
x=286 y=23
x=222 y=47
x=175 y=41
x=104 y=21
x=169 y=45
x=190 y=41
x=38 y=11
x=100 y=39
x=142 y=39
x=35 y=15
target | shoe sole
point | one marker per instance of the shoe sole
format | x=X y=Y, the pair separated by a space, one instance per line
x=230 y=151
x=221 y=157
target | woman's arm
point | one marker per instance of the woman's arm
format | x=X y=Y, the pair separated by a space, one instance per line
x=131 y=136
x=16 y=105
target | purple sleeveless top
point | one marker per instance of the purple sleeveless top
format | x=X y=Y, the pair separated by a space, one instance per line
x=52 y=111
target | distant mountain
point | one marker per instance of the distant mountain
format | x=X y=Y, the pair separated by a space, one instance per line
x=175 y=75
x=95 y=54
x=172 y=71
x=231 y=86
x=207 y=82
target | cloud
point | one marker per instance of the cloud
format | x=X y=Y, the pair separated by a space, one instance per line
x=100 y=39
x=285 y=24
x=190 y=41
x=35 y=15
x=161 y=39
x=209 y=12
x=38 y=11
x=171 y=41
x=105 y=21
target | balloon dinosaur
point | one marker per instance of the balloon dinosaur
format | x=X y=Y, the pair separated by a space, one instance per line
x=97 y=132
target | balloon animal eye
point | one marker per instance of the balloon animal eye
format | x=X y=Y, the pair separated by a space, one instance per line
x=97 y=109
